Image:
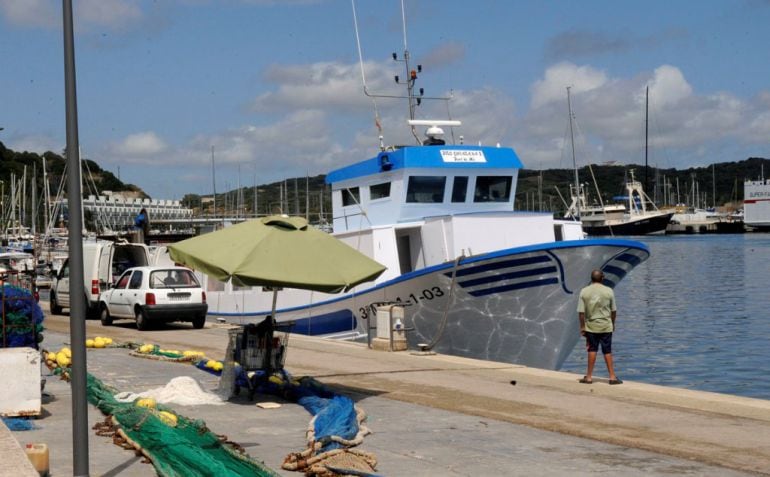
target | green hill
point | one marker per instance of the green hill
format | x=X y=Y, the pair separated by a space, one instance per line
x=725 y=180
x=13 y=162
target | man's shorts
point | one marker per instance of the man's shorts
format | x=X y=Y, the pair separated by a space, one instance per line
x=594 y=340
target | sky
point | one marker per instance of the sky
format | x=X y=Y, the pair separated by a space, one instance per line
x=275 y=87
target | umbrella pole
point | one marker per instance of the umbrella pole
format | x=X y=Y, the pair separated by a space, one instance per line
x=275 y=302
x=269 y=341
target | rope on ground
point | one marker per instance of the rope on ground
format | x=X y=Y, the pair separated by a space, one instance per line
x=349 y=461
x=336 y=427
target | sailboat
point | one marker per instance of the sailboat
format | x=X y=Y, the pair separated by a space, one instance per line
x=636 y=215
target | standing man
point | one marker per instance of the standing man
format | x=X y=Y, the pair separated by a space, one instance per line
x=597 y=312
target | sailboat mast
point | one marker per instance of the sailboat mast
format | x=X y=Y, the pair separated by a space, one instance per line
x=574 y=161
x=214 y=182
x=33 y=205
x=646 y=133
x=46 y=197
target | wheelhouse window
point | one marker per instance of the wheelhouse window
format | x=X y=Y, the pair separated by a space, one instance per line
x=351 y=196
x=459 y=188
x=492 y=189
x=426 y=189
x=379 y=191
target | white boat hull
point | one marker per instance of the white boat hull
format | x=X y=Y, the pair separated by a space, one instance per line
x=516 y=305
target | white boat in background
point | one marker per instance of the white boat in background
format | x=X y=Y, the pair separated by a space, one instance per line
x=689 y=220
x=12 y=263
x=756 y=204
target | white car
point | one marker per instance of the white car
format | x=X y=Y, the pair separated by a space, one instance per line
x=160 y=294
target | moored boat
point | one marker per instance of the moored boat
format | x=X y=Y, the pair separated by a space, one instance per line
x=637 y=216
x=480 y=279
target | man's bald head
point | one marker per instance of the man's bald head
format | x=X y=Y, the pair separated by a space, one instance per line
x=597 y=276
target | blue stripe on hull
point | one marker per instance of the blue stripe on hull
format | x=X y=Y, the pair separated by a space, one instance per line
x=507 y=276
x=629 y=258
x=618 y=272
x=502 y=264
x=515 y=286
x=334 y=322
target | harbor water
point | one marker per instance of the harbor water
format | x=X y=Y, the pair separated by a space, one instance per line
x=695 y=315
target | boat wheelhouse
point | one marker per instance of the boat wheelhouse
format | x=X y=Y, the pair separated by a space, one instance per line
x=419 y=206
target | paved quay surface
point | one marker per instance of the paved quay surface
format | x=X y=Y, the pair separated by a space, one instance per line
x=433 y=415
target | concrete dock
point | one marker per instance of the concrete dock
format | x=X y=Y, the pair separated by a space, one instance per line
x=432 y=415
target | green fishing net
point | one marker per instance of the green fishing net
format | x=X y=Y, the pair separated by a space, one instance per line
x=186 y=448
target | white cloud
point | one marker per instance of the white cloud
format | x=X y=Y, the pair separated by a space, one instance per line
x=141 y=147
x=113 y=14
x=110 y=14
x=36 y=13
x=684 y=127
x=323 y=85
x=553 y=86
x=34 y=143
x=668 y=85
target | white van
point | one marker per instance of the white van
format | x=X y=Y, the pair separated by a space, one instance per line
x=103 y=263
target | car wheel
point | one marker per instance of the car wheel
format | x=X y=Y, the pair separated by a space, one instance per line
x=198 y=322
x=105 y=316
x=141 y=320
x=55 y=308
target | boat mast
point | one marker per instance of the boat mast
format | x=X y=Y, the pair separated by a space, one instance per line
x=33 y=205
x=574 y=162
x=214 y=181
x=646 y=130
x=46 y=197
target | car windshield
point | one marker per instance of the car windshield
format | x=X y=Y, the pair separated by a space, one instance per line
x=173 y=278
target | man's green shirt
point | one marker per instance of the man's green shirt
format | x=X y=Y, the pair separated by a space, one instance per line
x=597 y=301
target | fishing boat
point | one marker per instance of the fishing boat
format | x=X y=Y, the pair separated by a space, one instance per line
x=476 y=278
x=635 y=214
x=479 y=279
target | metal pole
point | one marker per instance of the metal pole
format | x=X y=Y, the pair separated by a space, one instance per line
x=75 y=226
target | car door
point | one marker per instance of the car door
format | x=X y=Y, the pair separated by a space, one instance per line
x=118 y=300
x=63 y=286
x=134 y=293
